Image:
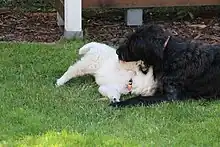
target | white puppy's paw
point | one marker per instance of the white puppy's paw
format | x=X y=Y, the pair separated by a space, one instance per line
x=59 y=82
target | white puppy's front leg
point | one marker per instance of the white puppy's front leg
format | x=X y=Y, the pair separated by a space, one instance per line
x=111 y=92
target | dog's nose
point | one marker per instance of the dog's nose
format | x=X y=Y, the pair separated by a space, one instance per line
x=117 y=52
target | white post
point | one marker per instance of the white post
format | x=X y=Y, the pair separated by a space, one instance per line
x=73 y=19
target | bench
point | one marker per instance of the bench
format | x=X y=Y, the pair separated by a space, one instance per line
x=69 y=12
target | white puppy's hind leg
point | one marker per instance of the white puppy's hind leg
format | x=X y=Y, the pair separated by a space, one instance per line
x=80 y=68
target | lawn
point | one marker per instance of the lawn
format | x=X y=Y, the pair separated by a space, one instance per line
x=34 y=112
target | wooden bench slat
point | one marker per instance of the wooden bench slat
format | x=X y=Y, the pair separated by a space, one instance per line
x=145 y=3
x=136 y=3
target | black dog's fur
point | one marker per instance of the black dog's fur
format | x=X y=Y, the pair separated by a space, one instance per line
x=184 y=68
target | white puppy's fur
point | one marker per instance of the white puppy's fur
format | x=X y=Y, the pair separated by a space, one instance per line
x=112 y=76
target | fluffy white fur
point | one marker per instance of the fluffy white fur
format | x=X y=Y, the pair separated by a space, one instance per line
x=112 y=76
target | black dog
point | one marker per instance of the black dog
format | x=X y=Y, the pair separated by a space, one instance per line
x=185 y=69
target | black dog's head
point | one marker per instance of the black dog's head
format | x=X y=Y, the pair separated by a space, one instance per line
x=146 y=43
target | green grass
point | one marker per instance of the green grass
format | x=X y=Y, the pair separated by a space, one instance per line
x=34 y=112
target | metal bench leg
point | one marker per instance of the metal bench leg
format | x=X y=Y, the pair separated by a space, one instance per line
x=134 y=17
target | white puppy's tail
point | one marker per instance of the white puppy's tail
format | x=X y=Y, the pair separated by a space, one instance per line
x=83 y=50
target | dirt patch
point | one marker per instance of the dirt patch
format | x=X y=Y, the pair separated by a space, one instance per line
x=108 y=27
x=32 y=27
x=111 y=28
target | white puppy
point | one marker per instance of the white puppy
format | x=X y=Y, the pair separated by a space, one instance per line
x=112 y=76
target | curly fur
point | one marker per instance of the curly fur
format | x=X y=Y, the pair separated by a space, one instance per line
x=112 y=76
x=185 y=69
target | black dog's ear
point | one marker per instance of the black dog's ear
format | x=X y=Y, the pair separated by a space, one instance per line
x=156 y=55
x=147 y=49
x=158 y=38
x=158 y=52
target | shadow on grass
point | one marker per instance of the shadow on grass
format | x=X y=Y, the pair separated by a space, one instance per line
x=80 y=80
